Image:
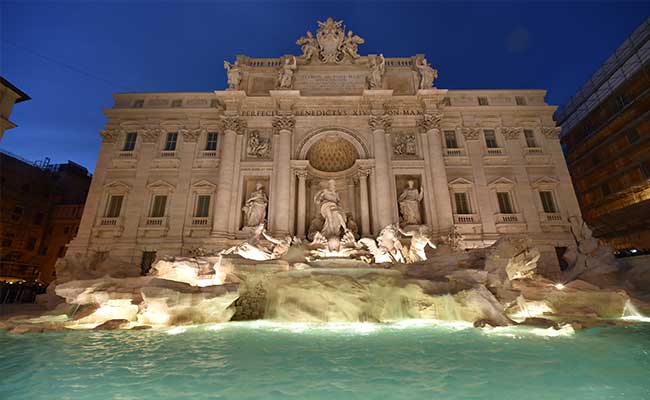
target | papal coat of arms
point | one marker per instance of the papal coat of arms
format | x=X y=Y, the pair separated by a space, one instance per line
x=331 y=44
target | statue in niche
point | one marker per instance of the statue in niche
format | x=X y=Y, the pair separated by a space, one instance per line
x=420 y=238
x=257 y=146
x=285 y=76
x=329 y=202
x=427 y=74
x=255 y=207
x=409 y=204
x=377 y=69
x=234 y=75
x=404 y=145
x=309 y=46
x=350 y=46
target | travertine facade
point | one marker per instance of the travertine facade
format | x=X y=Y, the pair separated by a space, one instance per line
x=487 y=161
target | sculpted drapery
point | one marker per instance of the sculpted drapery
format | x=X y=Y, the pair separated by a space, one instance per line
x=330 y=209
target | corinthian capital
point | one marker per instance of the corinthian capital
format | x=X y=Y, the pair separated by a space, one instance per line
x=109 y=135
x=377 y=122
x=430 y=121
x=191 y=135
x=284 y=123
x=551 y=132
x=233 y=123
x=511 y=133
x=471 y=133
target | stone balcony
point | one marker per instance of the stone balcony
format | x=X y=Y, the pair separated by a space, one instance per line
x=125 y=160
x=510 y=223
x=553 y=222
x=536 y=155
x=455 y=156
x=495 y=155
x=108 y=227
x=153 y=226
x=466 y=219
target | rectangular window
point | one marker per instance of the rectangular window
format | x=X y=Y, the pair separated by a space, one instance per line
x=38 y=218
x=211 y=142
x=114 y=207
x=645 y=169
x=547 y=202
x=505 y=206
x=177 y=103
x=129 y=142
x=170 y=143
x=446 y=101
x=521 y=101
x=61 y=251
x=490 y=139
x=202 y=206
x=482 y=101
x=6 y=242
x=462 y=204
x=450 y=140
x=138 y=103
x=530 y=138
x=158 y=206
x=214 y=103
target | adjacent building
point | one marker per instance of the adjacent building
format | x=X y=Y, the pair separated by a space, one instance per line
x=9 y=95
x=177 y=171
x=40 y=211
x=606 y=138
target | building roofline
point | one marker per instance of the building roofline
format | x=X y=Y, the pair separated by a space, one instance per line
x=22 y=96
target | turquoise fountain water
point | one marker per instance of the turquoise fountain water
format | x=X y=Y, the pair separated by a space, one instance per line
x=266 y=360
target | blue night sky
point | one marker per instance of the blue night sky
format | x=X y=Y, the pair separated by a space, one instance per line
x=70 y=57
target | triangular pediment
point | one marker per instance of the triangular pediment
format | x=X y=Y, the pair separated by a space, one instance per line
x=203 y=184
x=546 y=180
x=160 y=184
x=117 y=185
x=502 y=181
x=460 y=182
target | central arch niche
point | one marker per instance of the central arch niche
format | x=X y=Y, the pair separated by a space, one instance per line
x=332 y=154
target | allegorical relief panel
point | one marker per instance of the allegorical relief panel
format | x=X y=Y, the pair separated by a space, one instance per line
x=405 y=145
x=258 y=145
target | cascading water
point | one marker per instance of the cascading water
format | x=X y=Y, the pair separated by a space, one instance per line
x=631 y=313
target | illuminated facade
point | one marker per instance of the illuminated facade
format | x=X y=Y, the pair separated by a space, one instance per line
x=177 y=171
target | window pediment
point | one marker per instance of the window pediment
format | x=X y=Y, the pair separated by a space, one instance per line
x=161 y=185
x=117 y=186
x=461 y=182
x=545 y=181
x=502 y=182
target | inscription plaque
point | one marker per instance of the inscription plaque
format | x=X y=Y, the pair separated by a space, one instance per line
x=326 y=83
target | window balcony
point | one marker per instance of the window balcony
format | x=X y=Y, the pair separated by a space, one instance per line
x=155 y=221
x=495 y=151
x=126 y=154
x=534 y=151
x=466 y=219
x=168 y=154
x=508 y=218
x=200 y=221
x=455 y=152
x=551 y=217
x=208 y=154
x=109 y=221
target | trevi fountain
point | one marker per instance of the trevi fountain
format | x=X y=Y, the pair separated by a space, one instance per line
x=347 y=294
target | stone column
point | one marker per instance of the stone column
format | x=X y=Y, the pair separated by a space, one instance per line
x=365 y=207
x=351 y=198
x=232 y=125
x=379 y=124
x=284 y=127
x=431 y=124
x=302 y=203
